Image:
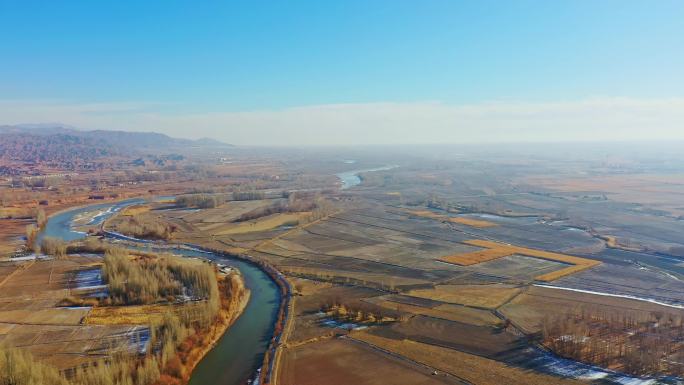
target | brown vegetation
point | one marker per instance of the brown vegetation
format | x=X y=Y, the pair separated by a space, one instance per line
x=54 y=247
x=18 y=367
x=472 y=222
x=144 y=227
x=31 y=235
x=357 y=312
x=147 y=280
x=292 y=205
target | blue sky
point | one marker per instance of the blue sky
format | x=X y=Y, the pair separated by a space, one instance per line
x=214 y=65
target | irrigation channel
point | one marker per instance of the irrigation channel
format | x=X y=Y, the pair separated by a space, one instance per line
x=238 y=355
x=240 y=352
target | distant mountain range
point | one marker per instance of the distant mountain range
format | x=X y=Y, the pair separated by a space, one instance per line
x=60 y=143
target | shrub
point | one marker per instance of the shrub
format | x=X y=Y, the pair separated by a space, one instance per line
x=141 y=227
x=202 y=201
x=53 y=246
x=17 y=367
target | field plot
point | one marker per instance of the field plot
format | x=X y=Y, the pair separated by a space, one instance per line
x=463 y=220
x=208 y=219
x=529 y=309
x=381 y=237
x=519 y=268
x=662 y=191
x=474 y=339
x=486 y=296
x=31 y=319
x=11 y=237
x=494 y=250
x=56 y=316
x=343 y=362
x=473 y=222
x=308 y=306
x=263 y=224
x=472 y=368
x=127 y=315
x=629 y=280
x=444 y=311
x=68 y=346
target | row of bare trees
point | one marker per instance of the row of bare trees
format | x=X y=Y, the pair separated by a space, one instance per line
x=356 y=311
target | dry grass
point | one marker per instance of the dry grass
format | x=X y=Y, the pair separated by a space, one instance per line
x=128 y=315
x=487 y=296
x=479 y=256
x=494 y=250
x=17 y=212
x=446 y=311
x=472 y=222
x=135 y=210
x=474 y=369
x=264 y=224
x=426 y=214
x=358 y=277
x=480 y=224
x=11 y=233
x=54 y=316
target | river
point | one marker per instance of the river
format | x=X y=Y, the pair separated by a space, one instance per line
x=240 y=351
x=351 y=178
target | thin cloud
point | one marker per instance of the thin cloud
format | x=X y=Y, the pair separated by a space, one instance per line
x=607 y=118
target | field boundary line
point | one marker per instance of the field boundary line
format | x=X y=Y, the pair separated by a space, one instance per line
x=404 y=358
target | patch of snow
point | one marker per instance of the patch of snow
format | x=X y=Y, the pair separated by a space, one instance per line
x=626 y=296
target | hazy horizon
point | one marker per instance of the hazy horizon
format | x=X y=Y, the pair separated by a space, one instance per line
x=388 y=72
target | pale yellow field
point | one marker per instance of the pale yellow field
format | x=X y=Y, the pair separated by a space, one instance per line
x=479 y=256
x=426 y=214
x=16 y=212
x=135 y=210
x=479 y=223
x=488 y=296
x=494 y=250
x=263 y=224
x=54 y=316
x=472 y=222
x=127 y=315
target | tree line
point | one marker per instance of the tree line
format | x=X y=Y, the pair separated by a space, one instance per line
x=636 y=343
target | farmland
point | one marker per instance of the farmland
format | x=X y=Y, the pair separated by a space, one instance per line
x=494 y=250
x=453 y=269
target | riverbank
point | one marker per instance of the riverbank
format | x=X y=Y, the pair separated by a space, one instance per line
x=229 y=313
x=213 y=354
x=268 y=368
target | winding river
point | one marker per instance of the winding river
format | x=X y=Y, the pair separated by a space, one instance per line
x=240 y=352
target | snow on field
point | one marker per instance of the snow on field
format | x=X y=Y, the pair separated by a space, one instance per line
x=549 y=363
x=88 y=278
x=627 y=296
x=30 y=257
